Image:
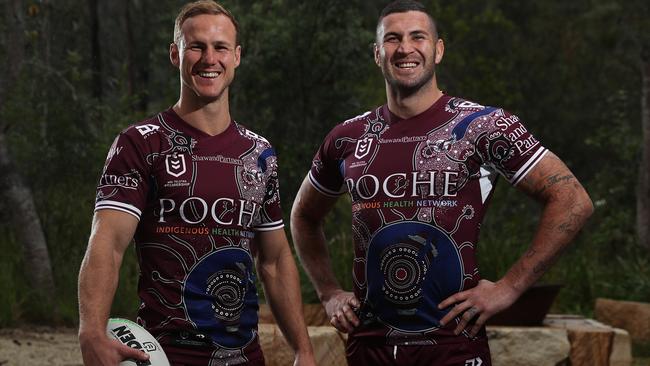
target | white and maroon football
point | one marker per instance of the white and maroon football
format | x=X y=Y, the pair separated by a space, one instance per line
x=135 y=336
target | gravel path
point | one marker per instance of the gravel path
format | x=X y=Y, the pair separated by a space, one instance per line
x=39 y=347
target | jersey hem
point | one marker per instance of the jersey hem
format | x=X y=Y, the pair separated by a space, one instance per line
x=118 y=206
x=270 y=226
x=528 y=166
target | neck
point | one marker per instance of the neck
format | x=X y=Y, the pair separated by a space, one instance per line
x=210 y=117
x=406 y=104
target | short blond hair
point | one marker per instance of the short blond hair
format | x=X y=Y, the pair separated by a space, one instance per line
x=202 y=7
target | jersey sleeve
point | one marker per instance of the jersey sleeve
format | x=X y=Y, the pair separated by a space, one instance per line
x=271 y=211
x=325 y=174
x=123 y=186
x=510 y=148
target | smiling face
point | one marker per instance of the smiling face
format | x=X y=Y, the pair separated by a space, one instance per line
x=207 y=55
x=407 y=50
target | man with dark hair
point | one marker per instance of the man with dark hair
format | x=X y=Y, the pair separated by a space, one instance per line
x=420 y=171
x=198 y=193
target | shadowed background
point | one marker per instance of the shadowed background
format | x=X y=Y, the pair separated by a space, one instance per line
x=74 y=73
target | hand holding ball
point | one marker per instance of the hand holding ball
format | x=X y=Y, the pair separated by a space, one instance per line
x=135 y=336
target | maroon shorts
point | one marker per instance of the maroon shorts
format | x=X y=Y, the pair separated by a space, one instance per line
x=188 y=356
x=365 y=352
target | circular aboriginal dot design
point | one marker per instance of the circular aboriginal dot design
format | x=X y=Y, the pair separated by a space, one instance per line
x=410 y=268
x=228 y=290
x=219 y=296
x=403 y=273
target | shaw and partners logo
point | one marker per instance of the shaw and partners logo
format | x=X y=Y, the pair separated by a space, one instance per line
x=128 y=181
x=425 y=184
x=196 y=210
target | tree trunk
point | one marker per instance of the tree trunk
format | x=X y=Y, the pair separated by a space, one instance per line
x=26 y=224
x=95 y=51
x=643 y=188
x=17 y=196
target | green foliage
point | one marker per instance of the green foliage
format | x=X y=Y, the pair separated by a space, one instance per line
x=297 y=76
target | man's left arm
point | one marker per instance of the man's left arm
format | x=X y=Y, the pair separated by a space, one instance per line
x=277 y=270
x=566 y=207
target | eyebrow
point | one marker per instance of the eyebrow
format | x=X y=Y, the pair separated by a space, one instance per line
x=411 y=33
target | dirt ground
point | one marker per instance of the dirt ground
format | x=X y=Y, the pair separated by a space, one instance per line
x=59 y=347
x=39 y=347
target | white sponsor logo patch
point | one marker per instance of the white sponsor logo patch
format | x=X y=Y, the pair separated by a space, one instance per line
x=145 y=129
x=175 y=164
x=363 y=148
x=474 y=362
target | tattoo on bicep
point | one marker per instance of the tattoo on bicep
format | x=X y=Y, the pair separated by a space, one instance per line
x=553 y=180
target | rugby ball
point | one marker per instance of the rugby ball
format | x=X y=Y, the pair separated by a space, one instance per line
x=135 y=336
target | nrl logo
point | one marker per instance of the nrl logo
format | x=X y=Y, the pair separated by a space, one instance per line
x=363 y=147
x=175 y=164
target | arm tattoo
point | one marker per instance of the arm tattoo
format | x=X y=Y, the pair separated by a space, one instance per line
x=543 y=265
x=553 y=180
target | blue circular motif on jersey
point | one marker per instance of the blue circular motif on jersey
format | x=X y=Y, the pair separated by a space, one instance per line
x=411 y=267
x=220 y=297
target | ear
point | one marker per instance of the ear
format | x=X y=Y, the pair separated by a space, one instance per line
x=174 y=55
x=440 y=50
x=237 y=55
x=376 y=52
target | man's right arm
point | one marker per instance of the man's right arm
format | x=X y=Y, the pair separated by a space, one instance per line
x=111 y=234
x=307 y=216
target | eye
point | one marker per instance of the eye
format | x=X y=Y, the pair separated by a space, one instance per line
x=391 y=39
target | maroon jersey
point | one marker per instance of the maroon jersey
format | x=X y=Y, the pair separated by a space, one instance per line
x=200 y=200
x=419 y=190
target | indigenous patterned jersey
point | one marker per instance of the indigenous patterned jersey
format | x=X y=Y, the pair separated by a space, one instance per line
x=200 y=199
x=419 y=190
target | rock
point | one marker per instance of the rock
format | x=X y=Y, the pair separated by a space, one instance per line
x=629 y=315
x=276 y=350
x=265 y=316
x=329 y=348
x=621 y=354
x=315 y=315
x=524 y=346
x=593 y=343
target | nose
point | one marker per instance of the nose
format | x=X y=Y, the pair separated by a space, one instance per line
x=405 y=46
x=209 y=56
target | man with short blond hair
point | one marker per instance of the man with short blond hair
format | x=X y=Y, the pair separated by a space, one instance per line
x=198 y=193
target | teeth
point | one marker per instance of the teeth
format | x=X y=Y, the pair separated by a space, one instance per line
x=406 y=65
x=209 y=74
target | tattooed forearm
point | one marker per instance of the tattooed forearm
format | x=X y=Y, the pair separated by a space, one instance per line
x=530 y=253
x=543 y=265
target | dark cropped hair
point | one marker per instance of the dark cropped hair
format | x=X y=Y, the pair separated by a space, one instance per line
x=402 y=6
